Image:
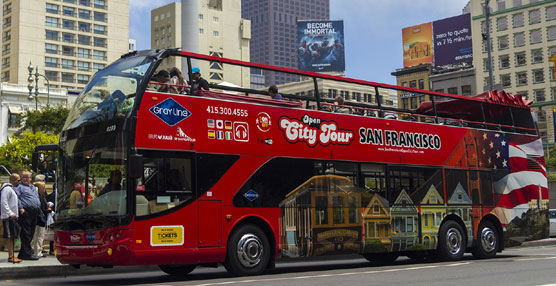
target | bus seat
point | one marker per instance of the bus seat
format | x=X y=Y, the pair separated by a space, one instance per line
x=141 y=205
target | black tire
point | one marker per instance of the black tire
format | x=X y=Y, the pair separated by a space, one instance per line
x=487 y=242
x=451 y=241
x=177 y=269
x=381 y=258
x=248 y=251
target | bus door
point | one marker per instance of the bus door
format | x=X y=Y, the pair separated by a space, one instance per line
x=209 y=223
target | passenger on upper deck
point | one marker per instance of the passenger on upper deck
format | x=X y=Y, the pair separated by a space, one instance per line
x=339 y=101
x=164 y=77
x=177 y=80
x=198 y=83
x=273 y=92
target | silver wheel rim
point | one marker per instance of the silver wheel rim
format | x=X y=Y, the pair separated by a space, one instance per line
x=488 y=239
x=454 y=241
x=249 y=250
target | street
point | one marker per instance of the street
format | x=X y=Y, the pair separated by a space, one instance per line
x=519 y=266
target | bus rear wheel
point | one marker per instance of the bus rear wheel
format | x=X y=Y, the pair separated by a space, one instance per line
x=177 y=269
x=486 y=245
x=381 y=258
x=248 y=251
x=451 y=241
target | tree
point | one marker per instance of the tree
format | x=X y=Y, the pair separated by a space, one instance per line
x=15 y=154
x=551 y=163
x=49 y=119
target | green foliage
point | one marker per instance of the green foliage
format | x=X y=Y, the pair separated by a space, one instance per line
x=49 y=119
x=15 y=154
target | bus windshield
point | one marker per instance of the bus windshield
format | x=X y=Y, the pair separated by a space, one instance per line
x=93 y=185
x=110 y=93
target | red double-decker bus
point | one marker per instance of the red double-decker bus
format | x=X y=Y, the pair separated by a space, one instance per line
x=181 y=179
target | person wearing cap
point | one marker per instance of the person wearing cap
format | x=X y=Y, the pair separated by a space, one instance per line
x=163 y=76
x=198 y=83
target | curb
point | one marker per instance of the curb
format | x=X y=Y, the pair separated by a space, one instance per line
x=37 y=271
x=542 y=242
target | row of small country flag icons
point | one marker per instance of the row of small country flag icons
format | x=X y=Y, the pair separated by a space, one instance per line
x=220 y=135
x=219 y=124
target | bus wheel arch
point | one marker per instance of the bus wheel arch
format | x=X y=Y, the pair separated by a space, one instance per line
x=489 y=238
x=255 y=234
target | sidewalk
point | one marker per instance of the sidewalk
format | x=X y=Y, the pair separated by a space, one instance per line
x=49 y=266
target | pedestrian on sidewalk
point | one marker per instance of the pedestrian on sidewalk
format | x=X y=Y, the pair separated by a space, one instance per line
x=38 y=238
x=28 y=204
x=9 y=215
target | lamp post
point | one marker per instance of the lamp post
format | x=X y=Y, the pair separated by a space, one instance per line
x=30 y=85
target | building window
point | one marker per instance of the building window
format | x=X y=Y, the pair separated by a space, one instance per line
x=51 y=62
x=99 y=55
x=7 y=35
x=552 y=33
x=67 y=64
x=520 y=59
x=99 y=16
x=84 y=27
x=97 y=67
x=504 y=61
x=201 y=17
x=51 y=49
x=536 y=36
x=413 y=84
x=85 y=2
x=518 y=20
x=521 y=78
x=502 y=23
x=536 y=56
x=6 y=76
x=101 y=4
x=82 y=79
x=503 y=42
x=501 y=4
x=84 y=40
x=51 y=8
x=84 y=14
x=201 y=31
x=466 y=89
x=551 y=13
x=215 y=19
x=538 y=76
x=68 y=38
x=100 y=29
x=83 y=53
x=505 y=80
x=68 y=77
x=485 y=64
x=539 y=95
x=99 y=42
x=51 y=22
x=51 y=35
x=68 y=24
x=215 y=33
x=534 y=16
x=519 y=39
x=68 y=11
x=68 y=51
x=517 y=3
x=453 y=90
x=14 y=121
x=51 y=75
x=216 y=76
x=83 y=66
x=421 y=84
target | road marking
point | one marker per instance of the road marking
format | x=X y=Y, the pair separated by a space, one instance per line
x=528 y=259
x=332 y=275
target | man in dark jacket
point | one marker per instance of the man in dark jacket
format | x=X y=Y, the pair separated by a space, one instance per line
x=198 y=83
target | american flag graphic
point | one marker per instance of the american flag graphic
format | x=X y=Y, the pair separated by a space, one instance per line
x=525 y=179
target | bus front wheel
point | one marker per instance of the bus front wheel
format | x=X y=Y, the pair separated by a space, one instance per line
x=177 y=269
x=248 y=251
x=451 y=241
x=487 y=241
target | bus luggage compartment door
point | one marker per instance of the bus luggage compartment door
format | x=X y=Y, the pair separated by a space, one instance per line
x=209 y=223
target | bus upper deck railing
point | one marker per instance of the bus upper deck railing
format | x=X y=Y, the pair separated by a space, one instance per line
x=494 y=111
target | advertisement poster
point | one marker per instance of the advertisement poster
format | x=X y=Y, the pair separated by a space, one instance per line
x=417 y=45
x=452 y=40
x=320 y=46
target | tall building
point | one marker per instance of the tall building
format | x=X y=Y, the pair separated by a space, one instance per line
x=211 y=27
x=67 y=40
x=273 y=40
x=523 y=36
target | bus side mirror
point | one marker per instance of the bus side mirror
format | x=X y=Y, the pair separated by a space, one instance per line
x=35 y=161
x=135 y=166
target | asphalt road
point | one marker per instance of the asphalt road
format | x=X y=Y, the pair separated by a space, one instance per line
x=520 y=266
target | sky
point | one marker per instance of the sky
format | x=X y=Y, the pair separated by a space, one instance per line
x=372 y=28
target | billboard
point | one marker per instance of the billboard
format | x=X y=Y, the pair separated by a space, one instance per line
x=417 y=45
x=452 y=40
x=320 y=46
